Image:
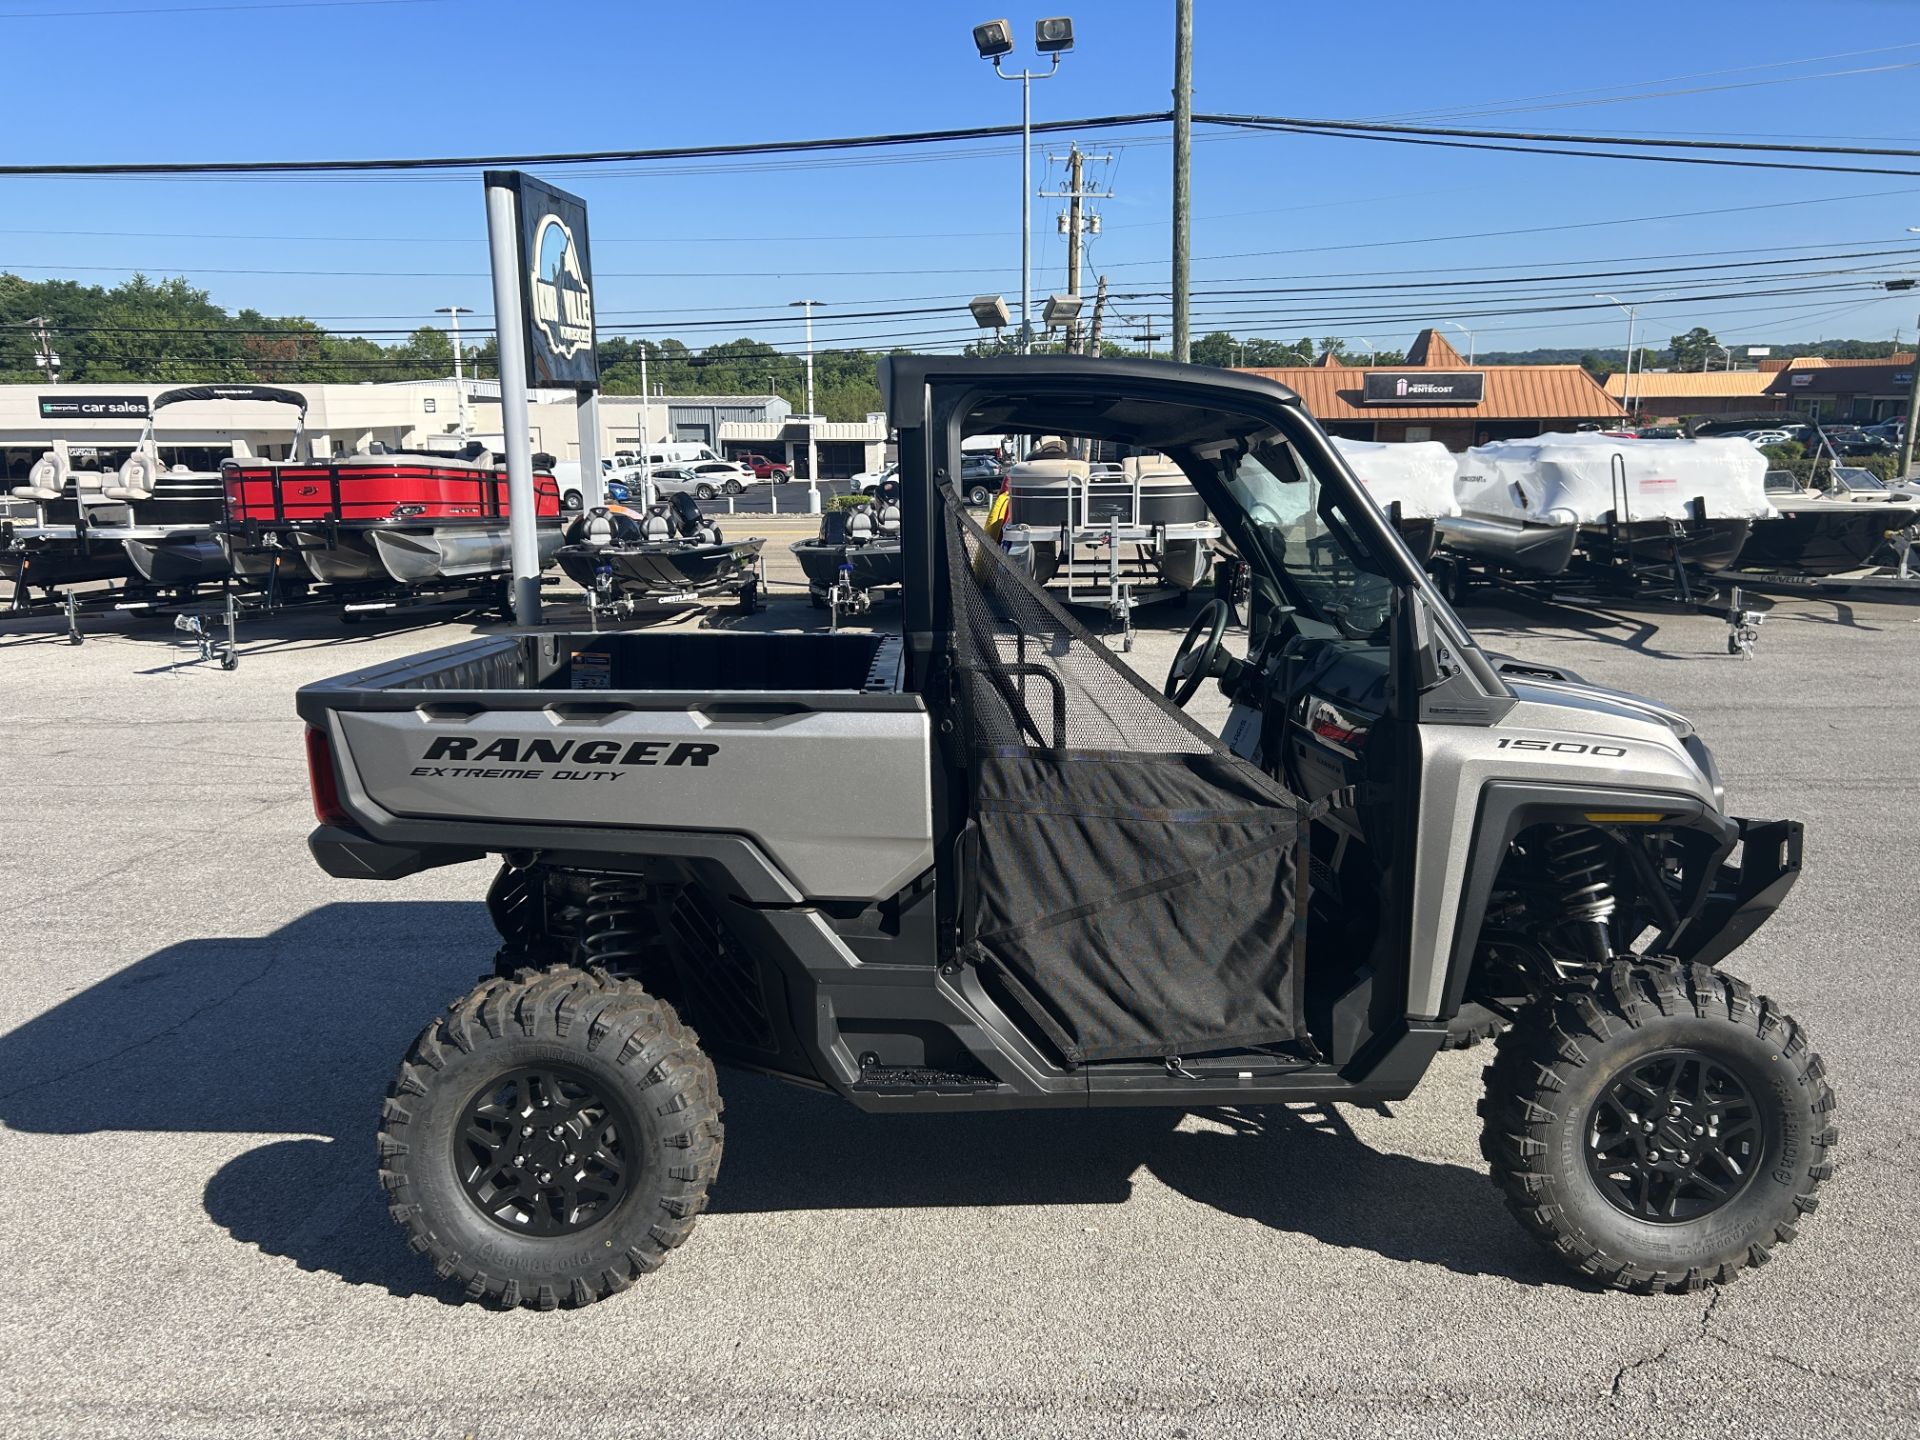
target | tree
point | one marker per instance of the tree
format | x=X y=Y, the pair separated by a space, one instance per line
x=1690 y=351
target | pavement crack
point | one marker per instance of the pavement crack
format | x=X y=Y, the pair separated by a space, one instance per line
x=127 y=1049
x=1632 y=1366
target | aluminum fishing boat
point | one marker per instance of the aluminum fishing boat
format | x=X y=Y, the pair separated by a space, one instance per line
x=856 y=553
x=667 y=553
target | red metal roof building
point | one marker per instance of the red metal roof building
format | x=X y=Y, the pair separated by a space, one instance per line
x=1437 y=395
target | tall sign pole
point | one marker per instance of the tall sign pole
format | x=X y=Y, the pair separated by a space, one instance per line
x=543 y=315
x=1182 y=173
x=1913 y=413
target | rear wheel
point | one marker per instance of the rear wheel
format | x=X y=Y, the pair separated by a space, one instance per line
x=1664 y=1129
x=733 y=487
x=703 y=492
x=551 y=1138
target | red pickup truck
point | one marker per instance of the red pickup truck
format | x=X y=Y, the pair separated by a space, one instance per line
x=766 y=468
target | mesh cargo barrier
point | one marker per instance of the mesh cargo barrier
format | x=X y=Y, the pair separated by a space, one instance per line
x=1134 y=880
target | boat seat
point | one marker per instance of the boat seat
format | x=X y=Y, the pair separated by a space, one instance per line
x=860 y=524
x=137 y=478
x=45 y=481
x=889 y=519
x=1049 y=469
x=656 y=527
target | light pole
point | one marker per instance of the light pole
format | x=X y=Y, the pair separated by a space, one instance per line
x=1626 y=385
x=813 y=468
x=1373 y=350
x=1466 y=332
x=1052 y=37
x=454 y=312
x=1726 y=353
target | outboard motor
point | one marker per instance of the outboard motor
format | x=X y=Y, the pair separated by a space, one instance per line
x=689 y=522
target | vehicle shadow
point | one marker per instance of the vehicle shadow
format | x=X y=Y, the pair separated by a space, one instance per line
x=297 y=1032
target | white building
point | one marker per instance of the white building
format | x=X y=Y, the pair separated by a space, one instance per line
x=345 y=418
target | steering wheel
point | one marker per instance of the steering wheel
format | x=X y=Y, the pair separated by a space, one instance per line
x=1196 y=659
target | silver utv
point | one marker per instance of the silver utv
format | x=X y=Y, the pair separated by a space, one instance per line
x=981 y=865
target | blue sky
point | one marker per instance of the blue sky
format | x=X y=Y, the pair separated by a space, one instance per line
x=199 y=79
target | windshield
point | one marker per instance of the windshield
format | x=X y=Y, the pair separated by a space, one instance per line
x=1323 y=566
x=1852 y=477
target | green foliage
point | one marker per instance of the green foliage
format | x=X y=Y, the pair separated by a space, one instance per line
x=1690 y=351
x=1784 y=454
x=848 y=502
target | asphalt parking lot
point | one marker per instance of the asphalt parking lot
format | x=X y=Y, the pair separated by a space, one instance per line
x=198 y=1024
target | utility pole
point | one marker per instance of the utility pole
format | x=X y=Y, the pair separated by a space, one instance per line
x=43 y=351
x=1078 y=225
x=1182 y=172
x=1073 y=242
x=1099 y=315
x=1913 y=412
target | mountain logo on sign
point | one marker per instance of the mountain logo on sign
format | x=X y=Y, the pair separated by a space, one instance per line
x=562 y=302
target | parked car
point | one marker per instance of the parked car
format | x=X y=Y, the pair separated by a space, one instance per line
x=687 y=479
x=1761 y=438
x=728 y=476
x=980 y=478
x=868 y=481
x=765 y=467
x=1659 y=432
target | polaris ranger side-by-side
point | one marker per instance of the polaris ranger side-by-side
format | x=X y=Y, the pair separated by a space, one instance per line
x=981 y=864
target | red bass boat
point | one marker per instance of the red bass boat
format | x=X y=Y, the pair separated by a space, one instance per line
x=377 y=520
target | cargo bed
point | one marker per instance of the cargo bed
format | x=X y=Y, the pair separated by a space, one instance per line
x=636 y=744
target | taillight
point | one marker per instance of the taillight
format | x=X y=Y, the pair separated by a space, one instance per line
x=324 y=783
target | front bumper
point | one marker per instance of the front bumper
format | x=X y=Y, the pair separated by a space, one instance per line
x=1742 y=896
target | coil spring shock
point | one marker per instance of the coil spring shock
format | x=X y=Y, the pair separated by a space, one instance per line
x=1580 y=869
x=616 y=924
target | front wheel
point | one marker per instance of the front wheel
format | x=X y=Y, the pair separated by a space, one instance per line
x=571 y=502
x=551 y=1138
x=703 y=492
x=1665 y=1129
x=979 y=495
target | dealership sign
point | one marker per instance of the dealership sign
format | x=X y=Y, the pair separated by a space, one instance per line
x=93 y=407
x=1425 y=387
x=556 y=284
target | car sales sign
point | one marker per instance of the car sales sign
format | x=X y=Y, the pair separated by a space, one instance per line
x=556 y=284
x=1425 y=387
x=94 y=407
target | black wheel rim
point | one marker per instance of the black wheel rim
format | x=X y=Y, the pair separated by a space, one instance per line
x=1674 y=1137
x=541 y=1152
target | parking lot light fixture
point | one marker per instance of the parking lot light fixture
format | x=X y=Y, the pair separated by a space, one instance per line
x=1626 y=385
x=813 y=455
x=994 y=39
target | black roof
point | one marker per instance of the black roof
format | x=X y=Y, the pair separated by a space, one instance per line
x=1152 y=403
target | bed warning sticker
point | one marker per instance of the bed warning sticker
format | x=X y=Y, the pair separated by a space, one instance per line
x=592 y=670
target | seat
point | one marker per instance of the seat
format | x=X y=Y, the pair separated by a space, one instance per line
x=45 y=481
x=888 y=519
x=656 y=527
x=137 y=477
x=860 y=525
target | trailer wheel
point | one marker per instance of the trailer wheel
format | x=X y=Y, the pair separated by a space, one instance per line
x=1662 y=1130
x=551 y=1138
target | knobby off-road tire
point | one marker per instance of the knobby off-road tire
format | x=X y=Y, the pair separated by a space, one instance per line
x=1554 y=1102
x=1473 y=1024
x=627 y=1091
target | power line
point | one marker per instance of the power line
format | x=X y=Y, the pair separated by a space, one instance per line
x=582 y=157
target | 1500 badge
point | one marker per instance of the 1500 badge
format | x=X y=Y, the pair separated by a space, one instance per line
x=1562 y=747
x=508 y=753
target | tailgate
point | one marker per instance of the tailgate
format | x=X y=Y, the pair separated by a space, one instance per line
x=835 y=788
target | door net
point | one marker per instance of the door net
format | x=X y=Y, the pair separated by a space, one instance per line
x=1132 y=880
